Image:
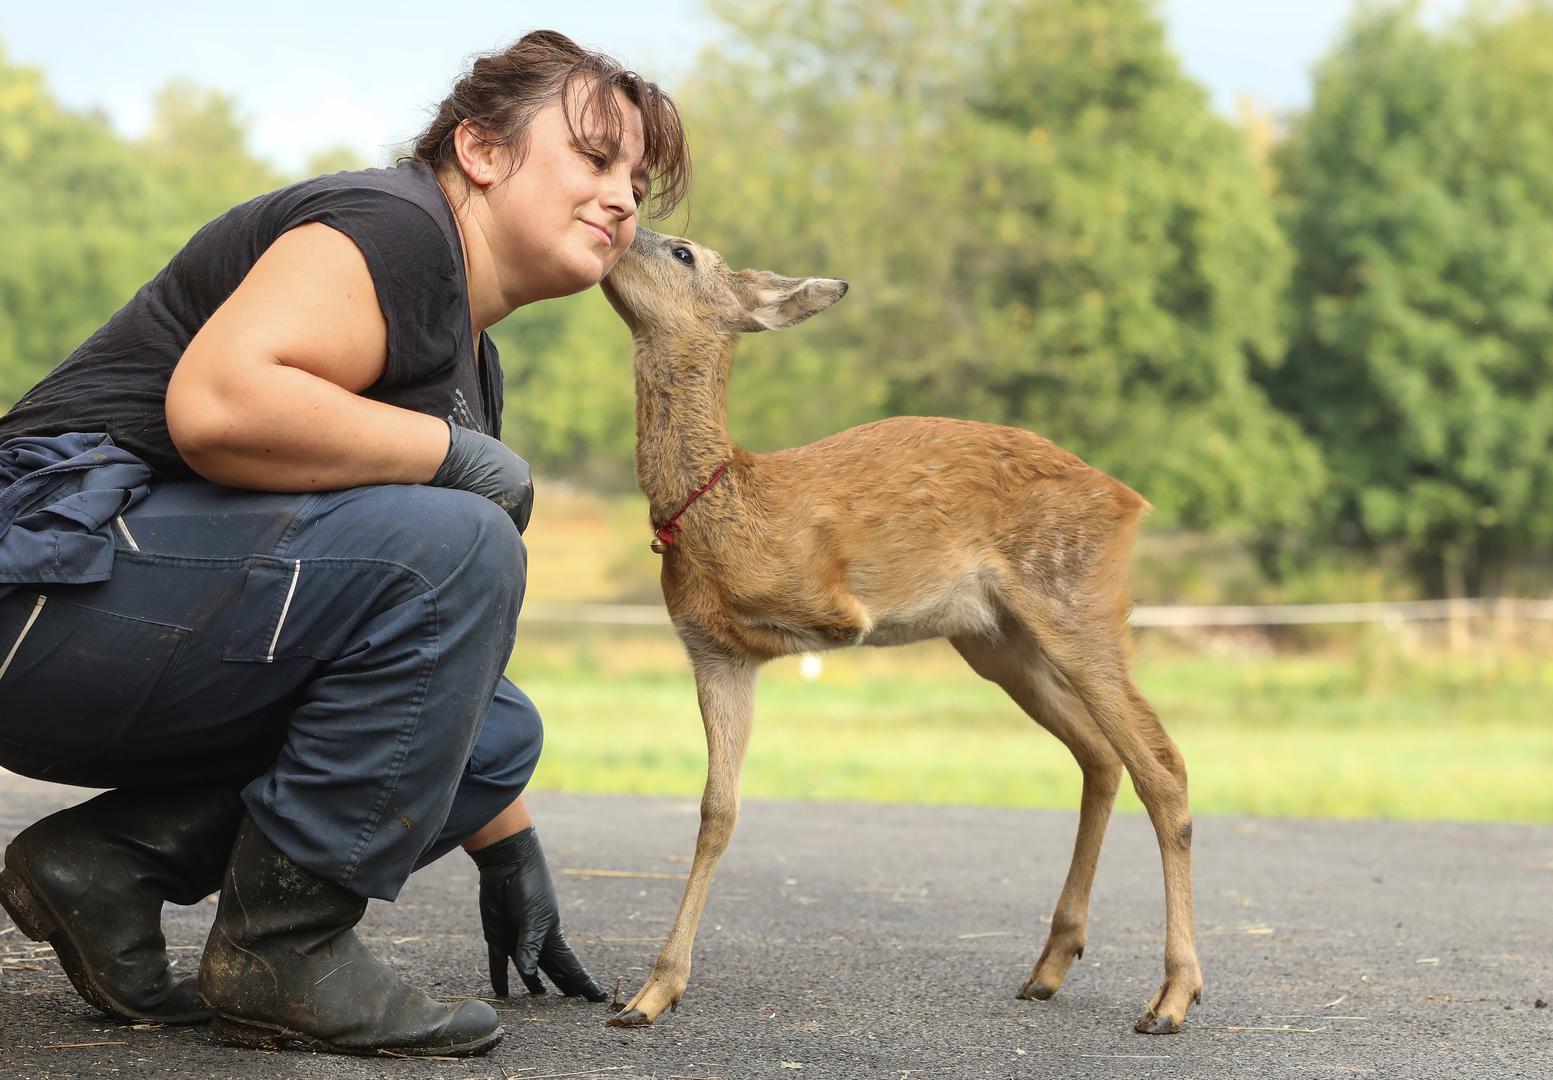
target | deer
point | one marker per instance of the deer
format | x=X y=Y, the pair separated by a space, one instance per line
x=896 y=531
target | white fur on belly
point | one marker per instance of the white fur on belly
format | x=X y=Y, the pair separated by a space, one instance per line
x=962 y=608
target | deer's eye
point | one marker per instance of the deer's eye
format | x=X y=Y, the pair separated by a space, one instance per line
x=683 y=255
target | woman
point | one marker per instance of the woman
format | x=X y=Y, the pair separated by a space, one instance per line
x=260 y=568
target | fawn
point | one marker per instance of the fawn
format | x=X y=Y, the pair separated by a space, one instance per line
x=891 y=532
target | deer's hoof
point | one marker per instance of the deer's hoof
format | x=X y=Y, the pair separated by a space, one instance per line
x=1035 y=990
x=630 y=1018
x=1168 y=1009
x=1157 y=1024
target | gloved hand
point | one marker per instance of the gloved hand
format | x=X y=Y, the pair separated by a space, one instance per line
x=485 y=466
x=518 y=912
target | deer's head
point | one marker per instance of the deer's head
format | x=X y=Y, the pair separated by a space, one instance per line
x=667 y=286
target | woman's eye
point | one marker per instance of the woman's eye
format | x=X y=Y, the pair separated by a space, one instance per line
x=683 y=255
x=638 y=195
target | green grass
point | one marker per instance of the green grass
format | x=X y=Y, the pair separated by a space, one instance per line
x=1363 y=733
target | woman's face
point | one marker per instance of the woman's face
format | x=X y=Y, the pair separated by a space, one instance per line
x=563 y=218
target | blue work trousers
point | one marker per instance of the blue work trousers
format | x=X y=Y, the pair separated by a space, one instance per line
x=338 y=653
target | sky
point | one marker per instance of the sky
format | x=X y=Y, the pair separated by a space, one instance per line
x=367 y=73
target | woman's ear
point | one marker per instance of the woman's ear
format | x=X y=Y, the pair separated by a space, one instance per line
x=478 y=156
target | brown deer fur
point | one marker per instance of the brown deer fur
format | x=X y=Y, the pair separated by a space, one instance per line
x=892 y=532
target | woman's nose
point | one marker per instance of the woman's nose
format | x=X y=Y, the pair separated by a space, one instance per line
x=617 y=196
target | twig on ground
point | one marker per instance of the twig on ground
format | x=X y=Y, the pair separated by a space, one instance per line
x=1280 y=1027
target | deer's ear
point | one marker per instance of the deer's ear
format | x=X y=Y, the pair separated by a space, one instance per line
x=774 y=302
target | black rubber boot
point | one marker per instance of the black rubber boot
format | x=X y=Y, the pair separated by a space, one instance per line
x=91 y=880
x=283 y=970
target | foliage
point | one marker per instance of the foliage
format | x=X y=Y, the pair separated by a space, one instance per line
x=87 y=217
x=570 y=401
x=74 y=214
x=1419 y=192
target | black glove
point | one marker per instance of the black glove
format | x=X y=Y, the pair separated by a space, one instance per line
x=485 y=466
x=521 y=922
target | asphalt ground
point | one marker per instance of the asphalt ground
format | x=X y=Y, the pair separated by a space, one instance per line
x=888 y=941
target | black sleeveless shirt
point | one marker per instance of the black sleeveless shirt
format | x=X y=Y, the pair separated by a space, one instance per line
x=116 y=382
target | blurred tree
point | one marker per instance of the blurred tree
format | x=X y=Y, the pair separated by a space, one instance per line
x=570 y=394
x=1135 y=264
x=197 y=146
x=1420 y=202
x=1263 y=135
x=75 y=208
x=333 y=159
x=87 y=217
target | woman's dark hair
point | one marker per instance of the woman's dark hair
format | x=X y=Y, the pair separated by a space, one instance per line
x=503 y=91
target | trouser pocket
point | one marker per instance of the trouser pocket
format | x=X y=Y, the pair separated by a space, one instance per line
x=311 y=607
x=269 y=591
x=73 y=677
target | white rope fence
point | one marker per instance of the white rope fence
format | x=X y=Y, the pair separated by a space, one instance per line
x=1392 y=613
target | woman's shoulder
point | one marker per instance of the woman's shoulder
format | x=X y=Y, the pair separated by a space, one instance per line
x=404 y=198
x=396 y=215
x=411 y=183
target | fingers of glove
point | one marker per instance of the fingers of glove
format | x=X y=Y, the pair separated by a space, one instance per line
x=511 y=484
x=498 y=970
x=518 y=504
x=558 y=961
x=527 y=959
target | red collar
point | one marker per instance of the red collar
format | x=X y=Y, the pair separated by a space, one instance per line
x=665 y=530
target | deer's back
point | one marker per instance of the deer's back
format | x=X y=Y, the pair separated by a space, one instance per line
x=943 y=468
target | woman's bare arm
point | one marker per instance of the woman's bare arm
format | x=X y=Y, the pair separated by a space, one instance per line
x=267 y=394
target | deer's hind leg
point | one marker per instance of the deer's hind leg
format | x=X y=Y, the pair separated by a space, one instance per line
x=1087 y=644
x=1016 y=663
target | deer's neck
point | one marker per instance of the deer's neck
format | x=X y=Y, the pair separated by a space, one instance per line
x=681 y=418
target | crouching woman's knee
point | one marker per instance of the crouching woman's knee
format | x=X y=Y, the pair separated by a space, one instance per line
x=498 y=557
x=508 y=748
x=468 y=546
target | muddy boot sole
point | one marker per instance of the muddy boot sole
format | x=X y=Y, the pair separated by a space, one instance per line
x=32 y=914
x=260 y=1036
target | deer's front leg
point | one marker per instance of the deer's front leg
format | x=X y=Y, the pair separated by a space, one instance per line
x=726 y=688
